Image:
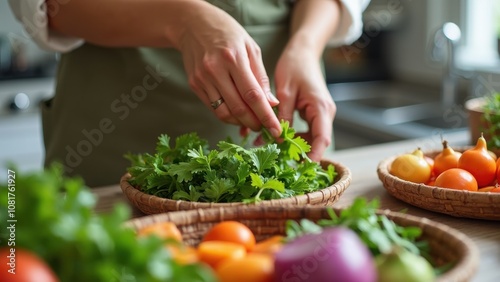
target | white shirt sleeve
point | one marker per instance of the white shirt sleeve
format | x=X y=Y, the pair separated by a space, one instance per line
x=33 y=16
x=351 y=22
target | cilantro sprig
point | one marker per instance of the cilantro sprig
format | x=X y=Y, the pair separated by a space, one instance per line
x=189 y=170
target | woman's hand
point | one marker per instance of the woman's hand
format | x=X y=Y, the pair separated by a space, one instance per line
x=223 y=62
x=300 y=85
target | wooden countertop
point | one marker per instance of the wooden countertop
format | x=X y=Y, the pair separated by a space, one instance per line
x=363 y=163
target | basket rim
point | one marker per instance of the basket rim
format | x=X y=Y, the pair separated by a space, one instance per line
x=448 y=197
x=344 y=176
x=463 y=270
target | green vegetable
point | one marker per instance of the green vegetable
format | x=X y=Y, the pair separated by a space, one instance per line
x=377 y=231
x=189 y=171
x=491 y=115
x=55 y=219
x=402 y=265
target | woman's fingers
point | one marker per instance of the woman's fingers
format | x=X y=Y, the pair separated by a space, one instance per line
x=321 y=135
x=210 y=96
x=226 y=71
x=259 y=71
x=255 y=111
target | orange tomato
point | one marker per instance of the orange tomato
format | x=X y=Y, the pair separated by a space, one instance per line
x=457 y=178
x=430 y=161
x=431 y=182
x=495 y=190
x=163 y=230
x=214 y=252
x=231 y=231
x=486 y=189
x=270 y=245
x=252 y=268
x=183 y=254
x=479 y=163
x=498 y=170
x=411 y=167
x=493 y=155
x=446 y=159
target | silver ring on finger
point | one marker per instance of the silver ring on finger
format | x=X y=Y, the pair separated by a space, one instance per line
x=217 y=103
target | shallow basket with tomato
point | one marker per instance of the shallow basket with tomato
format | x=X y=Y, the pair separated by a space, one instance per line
x=448 y=247
x=470 y=200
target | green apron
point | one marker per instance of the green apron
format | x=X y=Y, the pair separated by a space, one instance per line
x=111 y=101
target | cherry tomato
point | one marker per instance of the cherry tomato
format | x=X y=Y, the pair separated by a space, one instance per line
x=183 y=254
x=252 y=268
x=270 y=245
x=431 y=182
x=232 y=231
x=495 y=190
x=479 y=163
x=214 y=252
x=164 y=230
x=411 y=167
x=486 y=189
x=28 y=267
x=457 y=178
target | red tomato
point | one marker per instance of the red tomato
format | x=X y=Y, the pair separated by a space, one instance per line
x=232 y=231
x=27 y=267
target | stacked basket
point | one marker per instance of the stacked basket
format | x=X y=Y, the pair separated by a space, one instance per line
x=447 y=244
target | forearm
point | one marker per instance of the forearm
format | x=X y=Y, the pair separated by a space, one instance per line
x=124 y=23
x=313 y=23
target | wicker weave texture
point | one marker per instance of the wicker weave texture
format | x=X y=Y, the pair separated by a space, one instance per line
x=150 y=204
x=447 y=245
x=458 y=203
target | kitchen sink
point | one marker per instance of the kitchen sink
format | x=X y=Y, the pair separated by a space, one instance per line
x=388 y=102
x=391 y=110
x=439 y=122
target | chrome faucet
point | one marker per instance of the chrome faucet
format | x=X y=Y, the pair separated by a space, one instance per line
x=444 y=49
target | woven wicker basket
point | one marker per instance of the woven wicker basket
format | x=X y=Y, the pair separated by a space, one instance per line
x=458 y=203
x=447 y=244
x=150 y=204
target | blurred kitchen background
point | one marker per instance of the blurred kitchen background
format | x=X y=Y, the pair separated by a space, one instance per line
x=407 y=76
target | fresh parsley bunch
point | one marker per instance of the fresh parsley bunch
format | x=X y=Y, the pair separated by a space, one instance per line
x=190 y=171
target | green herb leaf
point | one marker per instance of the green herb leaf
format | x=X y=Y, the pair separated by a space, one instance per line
x=225 y=174
x=218 y=188
x=377 y=231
